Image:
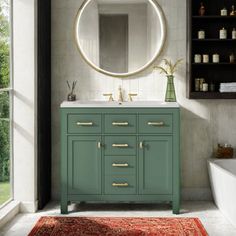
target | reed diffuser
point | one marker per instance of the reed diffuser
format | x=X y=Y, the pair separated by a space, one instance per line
x=71 y=96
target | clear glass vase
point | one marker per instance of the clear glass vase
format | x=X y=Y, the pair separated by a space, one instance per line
x=170 y=89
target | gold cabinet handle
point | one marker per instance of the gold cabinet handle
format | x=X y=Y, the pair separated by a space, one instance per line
x=99 y=145
x=120 y=145
x=120 y=123
x=120 y=184
x=84 y=123
x=141 y=145
x=161 y=123
x=120 y=165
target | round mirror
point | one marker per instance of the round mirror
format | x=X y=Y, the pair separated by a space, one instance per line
x=120 y=38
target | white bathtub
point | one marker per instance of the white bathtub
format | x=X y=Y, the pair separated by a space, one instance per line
x=222 y=175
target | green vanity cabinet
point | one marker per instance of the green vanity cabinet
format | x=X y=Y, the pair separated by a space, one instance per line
x=84 y=158
x=155 y=165
x=120 y=154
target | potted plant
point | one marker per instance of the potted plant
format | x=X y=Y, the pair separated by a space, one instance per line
x=169 y=69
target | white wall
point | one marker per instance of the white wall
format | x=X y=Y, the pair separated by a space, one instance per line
x=137 y=14
x=203 y=123
x=89 y=32
x=24 y=120
x=153 y=29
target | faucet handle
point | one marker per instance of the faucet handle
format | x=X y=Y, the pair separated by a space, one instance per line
x=110 y=99
x=131 y=95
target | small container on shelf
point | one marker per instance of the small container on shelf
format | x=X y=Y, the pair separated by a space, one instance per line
x=223 y=33
x=212 y=87
x=201 y=34
x=215 y=58
x=231 y=58
x=233 y=12
x=197 y=84
x=234 y=33
x=201 y=82
x=205 y=58
x=205 y=87
x=197 y=58
x=223 y=12
x=224 y=151
x=202 y=10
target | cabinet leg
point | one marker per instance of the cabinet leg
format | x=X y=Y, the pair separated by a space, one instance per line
x=175 y=207
x=64 y=207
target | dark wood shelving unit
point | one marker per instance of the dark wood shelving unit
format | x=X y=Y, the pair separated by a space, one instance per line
x=214 y=40
x=214 y=64
x=212 y=95
x=211 y=23
x=214 y=17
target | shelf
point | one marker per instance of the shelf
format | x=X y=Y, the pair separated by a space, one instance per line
x=213 y=17
x=212 y=95
x=214 y=40
x=214 y=64
x=215 y=73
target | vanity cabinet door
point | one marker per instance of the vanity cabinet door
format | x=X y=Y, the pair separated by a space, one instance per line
x=155 y=165
x=84 y=165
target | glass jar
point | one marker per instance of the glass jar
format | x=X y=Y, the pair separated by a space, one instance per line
x=201 y=34
x=233 y=33
x=215 y=58
x=223 y=33
x=197 y=58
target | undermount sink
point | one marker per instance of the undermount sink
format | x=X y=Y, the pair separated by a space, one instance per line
x=119 y=104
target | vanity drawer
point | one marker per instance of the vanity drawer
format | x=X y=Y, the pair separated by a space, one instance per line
x=84 y=123
x=155 y=123
x=120 y=165
x=120 y=145
x=120 y=123
x=120 y=185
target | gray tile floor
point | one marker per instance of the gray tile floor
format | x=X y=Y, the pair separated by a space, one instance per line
x=210 y=216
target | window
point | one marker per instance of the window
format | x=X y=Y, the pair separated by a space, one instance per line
x=5 y=102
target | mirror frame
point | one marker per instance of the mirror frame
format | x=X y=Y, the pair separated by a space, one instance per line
x=161 y=16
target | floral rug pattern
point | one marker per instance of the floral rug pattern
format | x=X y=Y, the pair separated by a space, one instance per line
x=117 y=226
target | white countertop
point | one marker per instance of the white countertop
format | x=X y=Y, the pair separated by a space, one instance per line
x=106 y=104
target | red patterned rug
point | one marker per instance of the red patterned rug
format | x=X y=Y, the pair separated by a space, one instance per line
x=114 y=226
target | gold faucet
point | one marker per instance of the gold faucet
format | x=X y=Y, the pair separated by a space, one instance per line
x=120 y=95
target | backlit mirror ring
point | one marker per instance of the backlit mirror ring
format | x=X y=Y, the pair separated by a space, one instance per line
x=161 y=16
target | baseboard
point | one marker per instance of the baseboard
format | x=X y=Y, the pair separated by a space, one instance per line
x=8 y=212
x=196 y=194
x=29 y=207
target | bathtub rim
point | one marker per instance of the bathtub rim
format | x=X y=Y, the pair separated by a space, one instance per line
x=228 y=174
x=214 y=162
